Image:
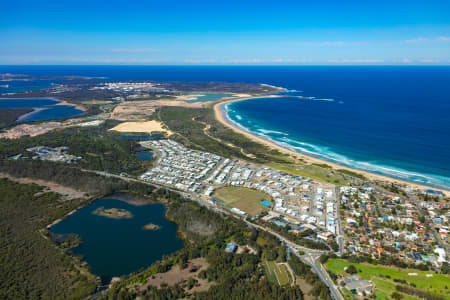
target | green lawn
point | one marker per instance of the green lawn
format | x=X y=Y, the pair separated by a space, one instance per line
x=310 y=171
x=277 y=273
x=385 y=286
x=243 y=198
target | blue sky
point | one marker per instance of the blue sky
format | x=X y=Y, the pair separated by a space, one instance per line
x=232 y=32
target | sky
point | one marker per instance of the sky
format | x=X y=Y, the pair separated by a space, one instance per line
x=168 y=32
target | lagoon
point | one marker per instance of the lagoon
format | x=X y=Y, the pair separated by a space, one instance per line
x=206 y=97
x=119 y=246
x=145 y=156
x=44 y=108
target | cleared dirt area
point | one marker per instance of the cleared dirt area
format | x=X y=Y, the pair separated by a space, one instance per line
x=141 y=110
x=66 y=192
x=177 y=275
x=147 y=127
x=305 y=287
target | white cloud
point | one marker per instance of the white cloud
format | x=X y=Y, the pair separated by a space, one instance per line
x=328 y=43
x=417 y=40
x=421 y=40
x=444 y=38
x=429 y=61
x=134 y=50
x=356 y=61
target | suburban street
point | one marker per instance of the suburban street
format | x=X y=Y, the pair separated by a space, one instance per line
x=310 y=257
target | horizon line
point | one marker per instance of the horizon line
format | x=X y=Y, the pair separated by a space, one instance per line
x=237 y=65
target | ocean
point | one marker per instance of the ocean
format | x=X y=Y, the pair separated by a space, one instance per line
x=389 y=120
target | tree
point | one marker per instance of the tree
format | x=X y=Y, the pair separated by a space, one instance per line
x=351 y=269
x=396 y=296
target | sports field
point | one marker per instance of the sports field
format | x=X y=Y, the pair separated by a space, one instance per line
x=277 y=273
x=383 y=277
x=245 y=199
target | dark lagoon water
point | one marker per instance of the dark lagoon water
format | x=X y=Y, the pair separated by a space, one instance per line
x=45 y=109
x=115 y=247
x=208 y=97
x=390 y=120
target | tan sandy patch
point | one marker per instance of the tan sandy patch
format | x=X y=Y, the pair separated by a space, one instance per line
x=141 y=110
x=189 y=97
x=147 y=127
x=176 y=275
x=66 y=192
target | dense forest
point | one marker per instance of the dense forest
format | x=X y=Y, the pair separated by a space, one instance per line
x=91 y=183
x=31 y=266
x=8 y=117
x=99 y=148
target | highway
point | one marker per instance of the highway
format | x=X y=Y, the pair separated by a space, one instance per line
x=323 y=275
x=311 y=255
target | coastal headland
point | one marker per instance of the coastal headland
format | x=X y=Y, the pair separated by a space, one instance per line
x=222 y=117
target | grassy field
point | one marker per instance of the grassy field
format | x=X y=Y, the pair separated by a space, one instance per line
x=385 y=286
x=243 y=198
x=310 y=171
x=277 y=273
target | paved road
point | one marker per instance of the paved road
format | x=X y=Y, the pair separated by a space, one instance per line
x=340 y=236
x=312 y=254
x=442 y=244
x=416 y=202
x=323 y=275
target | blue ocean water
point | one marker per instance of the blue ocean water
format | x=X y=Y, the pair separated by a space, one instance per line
x=390 y=120
x=46 y=109
x=16 y=86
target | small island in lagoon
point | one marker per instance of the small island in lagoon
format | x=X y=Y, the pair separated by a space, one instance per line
x=113 y=213
x=151 y=226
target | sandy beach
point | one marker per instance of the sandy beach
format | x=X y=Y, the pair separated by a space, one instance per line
x=64 y=102
x=222 y=117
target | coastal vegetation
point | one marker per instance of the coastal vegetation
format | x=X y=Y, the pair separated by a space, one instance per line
x=113 y=213
x=315 y=172
x=99 y=148
x=151 y=226
x=197 y=128
x=31 y=267
x=8 y=117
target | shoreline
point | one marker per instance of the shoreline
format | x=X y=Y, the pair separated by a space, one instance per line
x=60 y=102
x=38 y=109
x=222 y=117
